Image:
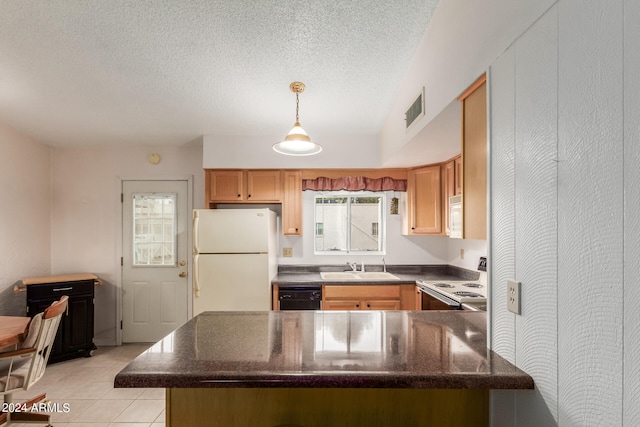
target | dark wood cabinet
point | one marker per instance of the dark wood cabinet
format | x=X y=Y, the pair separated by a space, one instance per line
x=75 y=334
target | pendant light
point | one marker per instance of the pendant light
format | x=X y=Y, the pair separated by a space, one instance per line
x=297 y=142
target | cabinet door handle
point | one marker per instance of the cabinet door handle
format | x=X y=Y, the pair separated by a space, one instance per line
x=238 y=196
x=62 y=289
x=357 y=305
x=368 y=305
x=248 y=196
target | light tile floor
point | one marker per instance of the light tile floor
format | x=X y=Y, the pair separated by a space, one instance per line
x=86 y=385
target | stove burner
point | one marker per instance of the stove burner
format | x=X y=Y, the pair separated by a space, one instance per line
x=472 y=285
x=468 y=294
x=442 y=285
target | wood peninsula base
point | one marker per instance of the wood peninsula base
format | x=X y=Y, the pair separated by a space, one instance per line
x=321 y=407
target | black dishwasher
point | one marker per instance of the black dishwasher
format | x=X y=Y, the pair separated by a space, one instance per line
x=300 y=298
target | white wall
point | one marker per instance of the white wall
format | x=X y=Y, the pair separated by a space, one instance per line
x=465 y=253
x=25 y=205
x=86 y=211
x=565 y=200
x=463 y=38
x=628 y=315
x=524 y=225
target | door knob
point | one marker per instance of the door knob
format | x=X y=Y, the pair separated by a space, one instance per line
x=183 y=274
x=182 y=263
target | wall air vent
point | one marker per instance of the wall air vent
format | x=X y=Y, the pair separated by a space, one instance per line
x=415 y=111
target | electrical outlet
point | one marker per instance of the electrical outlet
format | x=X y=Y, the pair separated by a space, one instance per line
x=461 y=253
x=287 y=252
x=513 y=296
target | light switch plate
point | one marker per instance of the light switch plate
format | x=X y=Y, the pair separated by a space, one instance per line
x=513 y=296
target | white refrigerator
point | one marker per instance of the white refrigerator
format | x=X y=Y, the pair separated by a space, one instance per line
x=234 y=259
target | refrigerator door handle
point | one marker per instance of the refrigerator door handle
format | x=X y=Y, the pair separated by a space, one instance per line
x=196 y=223
x=196 y=282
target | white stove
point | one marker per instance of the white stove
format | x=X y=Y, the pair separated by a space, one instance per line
x=459 y=291
x=456 y=292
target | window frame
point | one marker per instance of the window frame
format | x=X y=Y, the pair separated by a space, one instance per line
x=382 y=222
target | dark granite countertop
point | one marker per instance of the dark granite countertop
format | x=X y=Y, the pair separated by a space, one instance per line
x=309 y=275
x=326 y=349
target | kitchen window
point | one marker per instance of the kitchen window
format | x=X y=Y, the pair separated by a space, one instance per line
x=349 y=223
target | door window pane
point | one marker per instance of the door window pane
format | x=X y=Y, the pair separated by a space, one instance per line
x=154 y=229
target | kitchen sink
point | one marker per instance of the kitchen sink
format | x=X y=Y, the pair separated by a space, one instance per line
x=380 y=275
x=357 y=275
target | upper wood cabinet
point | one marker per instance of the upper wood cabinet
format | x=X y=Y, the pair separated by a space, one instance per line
x=451 y=186
x=252 y=186
x=264 y=186
x=292 y=203
x=424 y=201
x=224 y=186
x=457 y=168
x=474 y=161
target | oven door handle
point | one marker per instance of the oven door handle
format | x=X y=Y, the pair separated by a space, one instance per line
x=437 y=295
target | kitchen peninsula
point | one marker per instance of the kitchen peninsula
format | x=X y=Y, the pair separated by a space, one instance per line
x=318 y=368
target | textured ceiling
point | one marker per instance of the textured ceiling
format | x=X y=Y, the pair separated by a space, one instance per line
x=164 y=72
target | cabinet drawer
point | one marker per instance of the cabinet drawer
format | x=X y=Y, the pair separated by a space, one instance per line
x=381 y=305
x=55 y=290
x=342 y=305
x=363 y=292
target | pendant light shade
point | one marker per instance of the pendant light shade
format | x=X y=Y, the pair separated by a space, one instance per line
x=297 y=142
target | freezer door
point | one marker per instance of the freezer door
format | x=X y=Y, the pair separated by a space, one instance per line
x=231 y=282
x=232 y=230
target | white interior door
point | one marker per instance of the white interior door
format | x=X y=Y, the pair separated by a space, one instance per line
x=155 y=288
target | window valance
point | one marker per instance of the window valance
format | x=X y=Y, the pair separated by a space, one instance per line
x=354 y=183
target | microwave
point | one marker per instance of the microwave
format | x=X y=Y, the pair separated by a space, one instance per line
x=455 y=216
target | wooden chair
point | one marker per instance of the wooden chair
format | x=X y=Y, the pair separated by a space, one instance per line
x=28 y=363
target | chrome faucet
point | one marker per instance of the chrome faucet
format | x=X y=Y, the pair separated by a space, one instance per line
x=384 y=265
x=353 y=265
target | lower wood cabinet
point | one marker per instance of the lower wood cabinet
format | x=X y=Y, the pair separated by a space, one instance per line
x=368 y=297
x=361 y=305
x=319 y=407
